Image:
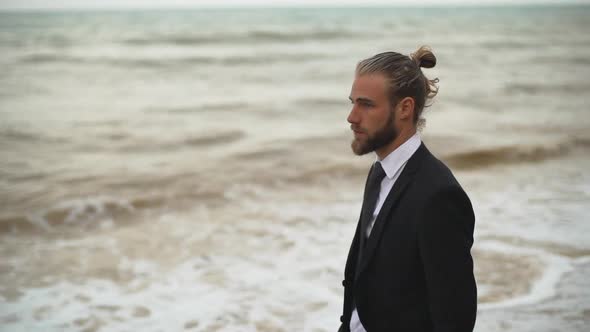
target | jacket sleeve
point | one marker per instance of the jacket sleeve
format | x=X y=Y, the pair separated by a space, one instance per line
x=445 y=237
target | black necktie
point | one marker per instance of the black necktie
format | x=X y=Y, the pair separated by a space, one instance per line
x=371 y=195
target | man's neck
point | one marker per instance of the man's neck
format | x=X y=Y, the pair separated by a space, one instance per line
x=396 y=143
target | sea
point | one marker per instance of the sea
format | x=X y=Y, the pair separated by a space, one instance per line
x=190 y=169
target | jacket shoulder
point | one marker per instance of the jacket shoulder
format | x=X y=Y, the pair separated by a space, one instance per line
x=434 y=175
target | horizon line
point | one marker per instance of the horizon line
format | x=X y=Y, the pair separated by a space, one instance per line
x=302 y=6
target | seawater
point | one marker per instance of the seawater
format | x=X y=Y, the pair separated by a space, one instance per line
x=170 y=170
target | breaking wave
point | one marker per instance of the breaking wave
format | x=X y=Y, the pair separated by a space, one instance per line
x=514 y=154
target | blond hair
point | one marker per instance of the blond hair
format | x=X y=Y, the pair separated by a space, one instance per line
x=405 y=77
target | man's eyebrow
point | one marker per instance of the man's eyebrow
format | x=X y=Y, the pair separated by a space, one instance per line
x=362 y=99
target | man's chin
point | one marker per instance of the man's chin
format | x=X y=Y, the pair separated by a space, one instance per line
x=359 y=148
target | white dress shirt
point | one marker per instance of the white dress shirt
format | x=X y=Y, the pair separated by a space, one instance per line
x=393 y=165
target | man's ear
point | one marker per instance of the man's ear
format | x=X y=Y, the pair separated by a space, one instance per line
x=406 y=108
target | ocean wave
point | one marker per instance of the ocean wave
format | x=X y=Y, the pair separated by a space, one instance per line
x=566 y=59
x=71 y=216
x=58 y=58
x=19 y=135
x=47 y=58
x=514 y=154
x=11 y=135
x=125 y=141
x=329 y=171
x=199 y=108
x=560 y=89
x=228 y=137
x=76 y=214
x=508 y=44
x=68 y=214
x=323 y=102
x=262 y=154
x=185 y=39
x=149 y=145
x=52 y=41
x=232 y=60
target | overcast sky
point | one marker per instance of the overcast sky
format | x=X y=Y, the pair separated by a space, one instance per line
x=90 y=4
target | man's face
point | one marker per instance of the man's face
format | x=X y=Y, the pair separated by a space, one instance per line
x=372 y=117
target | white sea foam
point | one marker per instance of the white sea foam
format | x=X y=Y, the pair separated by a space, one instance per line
x=287 y=277
x=554 y=267
x=242 y=297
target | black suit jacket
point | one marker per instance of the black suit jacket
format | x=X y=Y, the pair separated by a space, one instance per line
x=416 y=273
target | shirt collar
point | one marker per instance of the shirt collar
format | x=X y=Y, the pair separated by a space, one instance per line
x=398 y=157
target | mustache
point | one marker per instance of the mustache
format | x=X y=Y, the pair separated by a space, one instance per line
x=357 y=128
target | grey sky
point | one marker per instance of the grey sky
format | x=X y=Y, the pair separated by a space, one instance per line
x=90 y=4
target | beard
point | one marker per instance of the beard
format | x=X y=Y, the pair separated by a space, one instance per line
x=379 y=139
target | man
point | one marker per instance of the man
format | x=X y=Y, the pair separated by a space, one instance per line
x=409 y=268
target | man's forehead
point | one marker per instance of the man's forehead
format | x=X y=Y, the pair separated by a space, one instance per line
x=368 y=86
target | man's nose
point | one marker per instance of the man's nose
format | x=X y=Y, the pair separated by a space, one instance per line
x=353 y=117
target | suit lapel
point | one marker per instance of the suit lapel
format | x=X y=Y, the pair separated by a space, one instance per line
x=390 y=203
x=353 y=253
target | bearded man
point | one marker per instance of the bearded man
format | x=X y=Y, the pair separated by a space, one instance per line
x=409 y=268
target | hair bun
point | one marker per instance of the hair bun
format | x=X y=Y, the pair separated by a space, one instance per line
x=423 y=57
